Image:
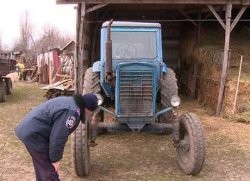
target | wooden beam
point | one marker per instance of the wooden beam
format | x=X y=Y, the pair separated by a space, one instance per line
x=205 y=2
x=238 y=17
x=94 y=43
x=78 y=81
x=68 y=1
x=225 y=58
x=217 y=16
x=188 y=17
x=95 y=8
x=78 y=18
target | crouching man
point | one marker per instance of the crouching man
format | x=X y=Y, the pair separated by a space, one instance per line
x=45 y=130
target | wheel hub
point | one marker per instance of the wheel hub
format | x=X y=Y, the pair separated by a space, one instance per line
x=184 y=144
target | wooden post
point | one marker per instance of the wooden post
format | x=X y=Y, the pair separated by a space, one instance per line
x=75 y=56
x=94 y=43
x=195 y=66
x=225 y=58
x=78 y=59
x=50 y=68
x=237 y=87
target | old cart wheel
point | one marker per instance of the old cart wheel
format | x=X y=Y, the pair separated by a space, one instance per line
x=2 y=91
x=191 y=148
x=80 y=149
x=9 y=86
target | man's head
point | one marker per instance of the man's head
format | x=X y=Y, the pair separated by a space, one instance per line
x=90 y=102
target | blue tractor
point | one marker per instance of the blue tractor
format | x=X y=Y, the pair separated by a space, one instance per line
x=141 y=93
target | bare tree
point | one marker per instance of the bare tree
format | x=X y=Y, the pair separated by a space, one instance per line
x=51 y=38
x=25 y=43
x=26 y=33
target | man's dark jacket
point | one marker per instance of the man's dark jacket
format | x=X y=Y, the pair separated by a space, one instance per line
x=47 y=127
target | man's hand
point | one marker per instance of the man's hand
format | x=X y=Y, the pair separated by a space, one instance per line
x=56 y=165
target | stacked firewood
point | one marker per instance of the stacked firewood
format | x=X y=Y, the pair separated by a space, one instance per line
x=51 y=93
x=61 y=88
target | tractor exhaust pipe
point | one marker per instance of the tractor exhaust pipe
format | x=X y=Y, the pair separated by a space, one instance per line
x=109 y=71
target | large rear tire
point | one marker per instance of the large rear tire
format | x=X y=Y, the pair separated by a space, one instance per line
x=191 y=150
x=3 y=91
x=91 y=82
x=92 y=85
x=81 y=136
x=168 y=89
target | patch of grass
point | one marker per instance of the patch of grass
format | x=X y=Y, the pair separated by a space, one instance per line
x=25 y=91
x=224 y=146
x=24 y=97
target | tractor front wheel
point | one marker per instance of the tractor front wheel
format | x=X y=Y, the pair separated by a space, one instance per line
x=191 y=147
x=80 y=149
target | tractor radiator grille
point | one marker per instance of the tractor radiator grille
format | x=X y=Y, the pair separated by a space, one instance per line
x=136 y=93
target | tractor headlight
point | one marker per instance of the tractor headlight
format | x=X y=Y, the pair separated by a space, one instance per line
x=100 y=99
x=175 y=101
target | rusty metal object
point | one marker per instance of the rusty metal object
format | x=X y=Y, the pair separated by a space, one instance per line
x=7 y=66
x=109 y=71
x=94 y=128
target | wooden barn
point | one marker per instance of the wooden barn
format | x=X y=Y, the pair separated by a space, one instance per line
x=175 y=16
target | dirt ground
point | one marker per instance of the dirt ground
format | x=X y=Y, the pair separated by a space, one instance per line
x=130 y=156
